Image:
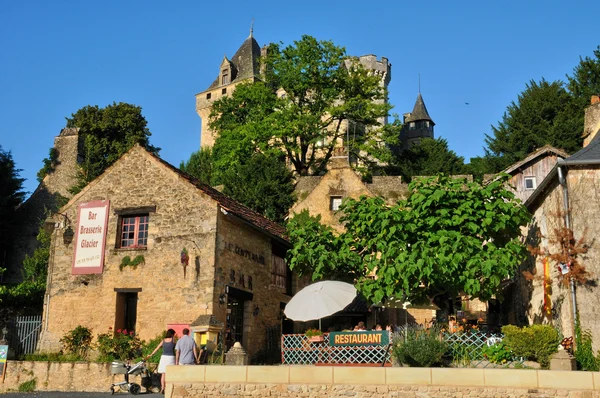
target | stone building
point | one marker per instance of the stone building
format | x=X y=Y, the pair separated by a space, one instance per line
x=416 y=126
x=569 y=196
x=144 y=247
x=244 y=66
x=48 y=197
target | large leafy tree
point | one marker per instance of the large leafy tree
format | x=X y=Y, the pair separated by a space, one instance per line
x=448 y=236
x=585 y=81
x=428 y=158
x=543 y=114
x=11 y=195
x=106 y=134
x=259 y=181
x=308 y=91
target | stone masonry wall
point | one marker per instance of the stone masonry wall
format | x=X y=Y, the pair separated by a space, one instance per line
x=45 y=198
x=184 y=217
x=249 y=255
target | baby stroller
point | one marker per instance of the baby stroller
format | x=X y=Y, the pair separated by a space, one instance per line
x=118 y=367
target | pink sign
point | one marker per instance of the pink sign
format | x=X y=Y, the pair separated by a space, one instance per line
x=90 y=237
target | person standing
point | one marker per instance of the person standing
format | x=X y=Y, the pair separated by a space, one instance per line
x=186 y=350
x=167 y=357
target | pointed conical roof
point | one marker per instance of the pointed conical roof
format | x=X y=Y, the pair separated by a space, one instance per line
x=245 y=62
x=419 y=111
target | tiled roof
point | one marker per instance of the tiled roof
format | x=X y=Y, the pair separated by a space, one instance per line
x=231 y=205
x=244 y=63
x=419 y=111
x=588 y=155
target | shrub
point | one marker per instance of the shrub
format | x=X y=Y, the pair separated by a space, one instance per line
x=536 y=342
x=122 y=345
x=584 y=355
x=78 y=341
x=52 y=357
x=421 y=348
x=148 y=347
x=498 y=353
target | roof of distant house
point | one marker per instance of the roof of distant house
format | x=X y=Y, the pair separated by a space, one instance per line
x=535 y=154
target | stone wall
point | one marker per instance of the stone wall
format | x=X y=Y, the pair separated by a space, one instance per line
x=168 y=293
x=61 y=376
x=326 y=381
x=46 y=198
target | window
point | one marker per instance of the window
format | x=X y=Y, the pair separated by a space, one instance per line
x=225 y=76
x=208 y=96
x=529 y=183
x=411 y=125
x=335 y=202
x=279 y=272
x=133 y=231
x=224 y=91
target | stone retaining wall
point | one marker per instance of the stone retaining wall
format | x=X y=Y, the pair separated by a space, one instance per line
x=364 y=382
x=61 y=376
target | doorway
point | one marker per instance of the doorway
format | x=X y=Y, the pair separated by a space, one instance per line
x=126 y=310
x=235 y=321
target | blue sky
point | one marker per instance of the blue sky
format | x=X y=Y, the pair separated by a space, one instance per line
x=58 y=56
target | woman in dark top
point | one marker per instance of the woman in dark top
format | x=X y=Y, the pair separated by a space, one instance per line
x=167 y=357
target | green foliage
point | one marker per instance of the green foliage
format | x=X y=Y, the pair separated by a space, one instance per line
x=28 y=386
x=107 y=133
x=122 y=345
x=263 y=183
x=148 y=347
x=498 y=353
x=584 y=355
x=448 y=236
x=11 y=195
x=128 y=262
x=200 y=165
x=77 y=341
x=585 y=82
x=322 y=87
x=428 y=158
x=52 y=357
x=50 y=164
x=420 y=348
x=313 y=333
x=535 y=342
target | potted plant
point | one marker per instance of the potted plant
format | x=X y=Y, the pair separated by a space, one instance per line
x=314 y=335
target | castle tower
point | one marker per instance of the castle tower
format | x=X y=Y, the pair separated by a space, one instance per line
x=242 y=67
x=417 y=125
x=383 y=69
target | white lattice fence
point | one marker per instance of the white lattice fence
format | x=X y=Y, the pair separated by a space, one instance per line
x=296 y=349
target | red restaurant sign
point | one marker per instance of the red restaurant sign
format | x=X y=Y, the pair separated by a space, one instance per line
x=90 y=237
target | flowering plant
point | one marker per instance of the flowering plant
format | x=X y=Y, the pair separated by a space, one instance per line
x=122 y=344
x=313 y=332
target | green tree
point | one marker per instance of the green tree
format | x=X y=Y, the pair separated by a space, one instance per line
x=585 y=82
x=200 y=165
x=310 y=88
x=448 y=236
x=106 y=134
x=544 y=113
x=262 y=183
x=11 y=196
x=428 y=158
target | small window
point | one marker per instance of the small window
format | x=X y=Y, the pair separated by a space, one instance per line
x=208 y=96
x=279 y=272
x=225 y=76
x=335 y=202
x=530 y=183
x=133 y=231
x=411 y=125
x=224 y=91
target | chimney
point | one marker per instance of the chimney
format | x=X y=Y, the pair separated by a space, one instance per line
x=591 y=126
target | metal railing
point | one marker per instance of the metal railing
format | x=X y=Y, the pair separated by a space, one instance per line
x=23 y=334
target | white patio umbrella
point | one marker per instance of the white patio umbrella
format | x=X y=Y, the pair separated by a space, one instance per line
x=319 y=300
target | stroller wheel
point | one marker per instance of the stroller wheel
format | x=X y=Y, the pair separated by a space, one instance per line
x=112 y=390
x=134 y=389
